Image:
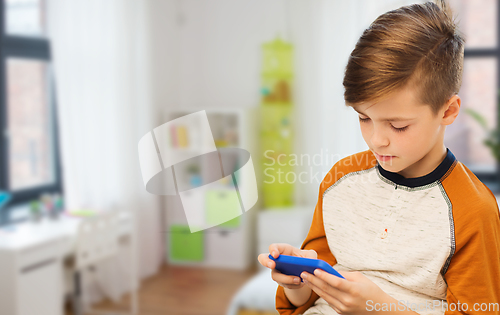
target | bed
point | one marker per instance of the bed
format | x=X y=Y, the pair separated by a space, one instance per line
x=256 y=297
x=278 y=225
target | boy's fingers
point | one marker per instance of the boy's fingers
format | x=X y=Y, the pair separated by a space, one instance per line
x=338 y=284
x=285 y=279
x=277 y=249
x=265 y=261
x=332 y=300
x=260 y=258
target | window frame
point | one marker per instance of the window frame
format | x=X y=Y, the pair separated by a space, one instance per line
x=492 y=179
x=38 y=49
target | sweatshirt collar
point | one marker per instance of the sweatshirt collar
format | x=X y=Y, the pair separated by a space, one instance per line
x=437 y=174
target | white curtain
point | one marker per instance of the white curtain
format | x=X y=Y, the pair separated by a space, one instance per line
x=100 y=54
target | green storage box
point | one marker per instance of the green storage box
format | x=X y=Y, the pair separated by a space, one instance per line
x=223 y=208
x=184 y=245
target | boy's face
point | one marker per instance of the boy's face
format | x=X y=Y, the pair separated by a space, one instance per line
x=405 y=136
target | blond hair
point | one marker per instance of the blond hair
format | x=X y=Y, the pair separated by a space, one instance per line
x=416 y=46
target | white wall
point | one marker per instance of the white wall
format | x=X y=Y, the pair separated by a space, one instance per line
x=210 y=50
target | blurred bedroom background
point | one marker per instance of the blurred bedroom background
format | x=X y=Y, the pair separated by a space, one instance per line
x=82 y=81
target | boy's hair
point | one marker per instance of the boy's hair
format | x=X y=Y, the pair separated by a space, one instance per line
x=417 y=46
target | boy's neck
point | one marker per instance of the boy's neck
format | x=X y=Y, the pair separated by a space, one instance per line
x=427 y=164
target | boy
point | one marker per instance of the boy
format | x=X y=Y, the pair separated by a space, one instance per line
x=410 y=228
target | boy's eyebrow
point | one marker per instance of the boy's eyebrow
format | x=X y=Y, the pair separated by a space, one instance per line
x=386 y=119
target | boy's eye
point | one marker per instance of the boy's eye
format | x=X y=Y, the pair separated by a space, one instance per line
x=399 y=129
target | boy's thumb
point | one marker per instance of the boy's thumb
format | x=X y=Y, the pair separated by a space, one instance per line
x=350 y=275
x=310 y=253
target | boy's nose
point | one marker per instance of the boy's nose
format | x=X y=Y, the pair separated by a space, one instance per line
x=378 y=139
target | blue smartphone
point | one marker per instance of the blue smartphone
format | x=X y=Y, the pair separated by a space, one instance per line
x=294 y=266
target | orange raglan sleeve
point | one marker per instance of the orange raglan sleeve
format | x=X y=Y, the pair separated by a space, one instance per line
x=316 y=238
x=473 y=275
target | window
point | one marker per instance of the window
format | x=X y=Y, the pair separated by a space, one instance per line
x=478 y=20
x=29 y=155
x=25 y=17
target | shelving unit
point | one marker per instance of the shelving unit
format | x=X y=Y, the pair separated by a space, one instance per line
x=226 y=245
x=276 y=131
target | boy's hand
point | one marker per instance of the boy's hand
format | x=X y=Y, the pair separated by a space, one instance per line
x=289 y=282
x=345 y=296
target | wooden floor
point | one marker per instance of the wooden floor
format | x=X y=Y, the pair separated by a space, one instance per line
x=186 y=291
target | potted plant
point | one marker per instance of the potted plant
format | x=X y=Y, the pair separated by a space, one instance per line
x=492 y=138
x=492 y=141
x=194 y=175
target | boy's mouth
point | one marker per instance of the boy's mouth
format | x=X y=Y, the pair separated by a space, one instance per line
x=383 y=158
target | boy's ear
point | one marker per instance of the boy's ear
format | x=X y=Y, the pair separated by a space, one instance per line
x=450 y=110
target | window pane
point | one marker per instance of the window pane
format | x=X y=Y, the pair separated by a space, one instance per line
x=478 y=21
x=30 y=125
x=25 y=17
x=465 y=136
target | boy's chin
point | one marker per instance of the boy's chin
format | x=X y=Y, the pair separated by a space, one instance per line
x=391 y=167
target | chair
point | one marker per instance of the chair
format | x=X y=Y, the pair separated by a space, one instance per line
x=97 y=241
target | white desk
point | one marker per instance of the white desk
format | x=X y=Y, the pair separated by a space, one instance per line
x=31 y=269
